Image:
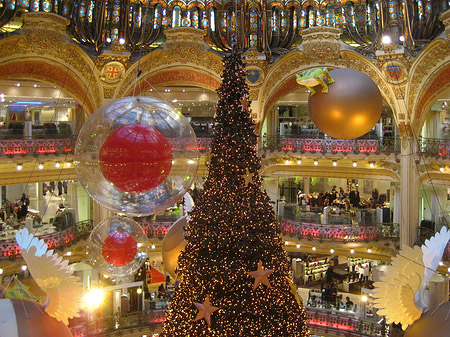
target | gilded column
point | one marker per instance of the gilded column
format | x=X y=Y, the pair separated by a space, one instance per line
x=409 y=201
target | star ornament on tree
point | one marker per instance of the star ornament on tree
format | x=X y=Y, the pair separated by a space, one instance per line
x=205 y=310
x=261 y=275
x=245 y=103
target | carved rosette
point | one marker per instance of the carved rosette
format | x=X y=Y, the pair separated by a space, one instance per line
x=321 y=43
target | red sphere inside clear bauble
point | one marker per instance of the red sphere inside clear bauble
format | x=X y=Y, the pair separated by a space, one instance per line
x=135 y=158
x=117 y=246
x=136 y=155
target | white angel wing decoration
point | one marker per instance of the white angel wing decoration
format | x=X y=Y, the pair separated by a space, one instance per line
x=432 y=250
x=394 y=295
x=53 y=275
x=188 y=204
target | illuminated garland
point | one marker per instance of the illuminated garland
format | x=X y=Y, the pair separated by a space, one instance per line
x=234 y=271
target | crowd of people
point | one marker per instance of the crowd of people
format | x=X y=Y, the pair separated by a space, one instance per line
x=340 y=199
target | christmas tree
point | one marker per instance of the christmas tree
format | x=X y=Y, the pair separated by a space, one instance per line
x=234 y=272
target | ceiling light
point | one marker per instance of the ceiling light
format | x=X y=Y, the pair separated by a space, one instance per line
x=286 y=161
x=352 y=251
x=122 y=40
x=108 y=39
x=299 y=162
x=334 y=163
x=401 y=38
x=441 y=263
x=286 y=243
x=152 y=246
x=19 y=167
x=314 y=249
x=355 y=164
x=316 y=162
x=190 y=161
x=369 y=250
x=69 y=253
x=40 y=166
x=298 y=246
x=68 y=164
x=442 y=169
x=386 y=39
x=332 y=251
x=57 y=165
x=35 y=85
x=1 y=271
x=23 y=268
x=371 y=164
x=17 y=84
x=139 y=290
x=364 y=298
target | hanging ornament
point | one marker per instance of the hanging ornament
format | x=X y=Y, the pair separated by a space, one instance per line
x=117 y=246
x=205 y=310
x=261 y=275
x=25 y=318
x=351 y=107
x=135 y=158
x=136 y=155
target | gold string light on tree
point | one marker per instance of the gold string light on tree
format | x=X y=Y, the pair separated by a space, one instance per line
x=232 y=230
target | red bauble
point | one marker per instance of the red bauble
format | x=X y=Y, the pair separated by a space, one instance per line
x=135 y=158
x=119 y=248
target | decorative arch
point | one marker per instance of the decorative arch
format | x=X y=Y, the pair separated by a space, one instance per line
x=186 y=59
x=42 y=70
x=281 y=78
x=430 y=76
x=47 y=57
x=176 y=76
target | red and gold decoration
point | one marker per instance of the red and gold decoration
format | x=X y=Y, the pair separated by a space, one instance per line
x=261 y=275
x=119 y=248
x=350 y=109
x=205 y=310
x=135 y=158
x=136 y=155
x=231 y=229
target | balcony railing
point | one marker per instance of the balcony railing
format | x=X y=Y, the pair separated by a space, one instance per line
x=386 y=145
x=439 y=148
x=64 y=238
x=343 y=233
x=11 y=147
x=317 y=321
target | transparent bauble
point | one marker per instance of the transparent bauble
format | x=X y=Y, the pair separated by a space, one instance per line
x=117 y=246
x=136 y=155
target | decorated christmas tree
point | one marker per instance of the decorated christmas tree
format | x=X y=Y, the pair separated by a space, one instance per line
x=234 y=272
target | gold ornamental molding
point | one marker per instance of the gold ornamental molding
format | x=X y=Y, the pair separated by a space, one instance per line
x=384 y=174
x=43 y=53
x=188 y=56
x=424 y=73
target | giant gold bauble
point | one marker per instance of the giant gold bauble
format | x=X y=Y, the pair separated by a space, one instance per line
x=172 y=246
x=350 y=109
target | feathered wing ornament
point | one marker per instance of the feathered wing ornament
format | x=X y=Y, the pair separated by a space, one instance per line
x=53 y=275
x=402 y=294
x=394 y=295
